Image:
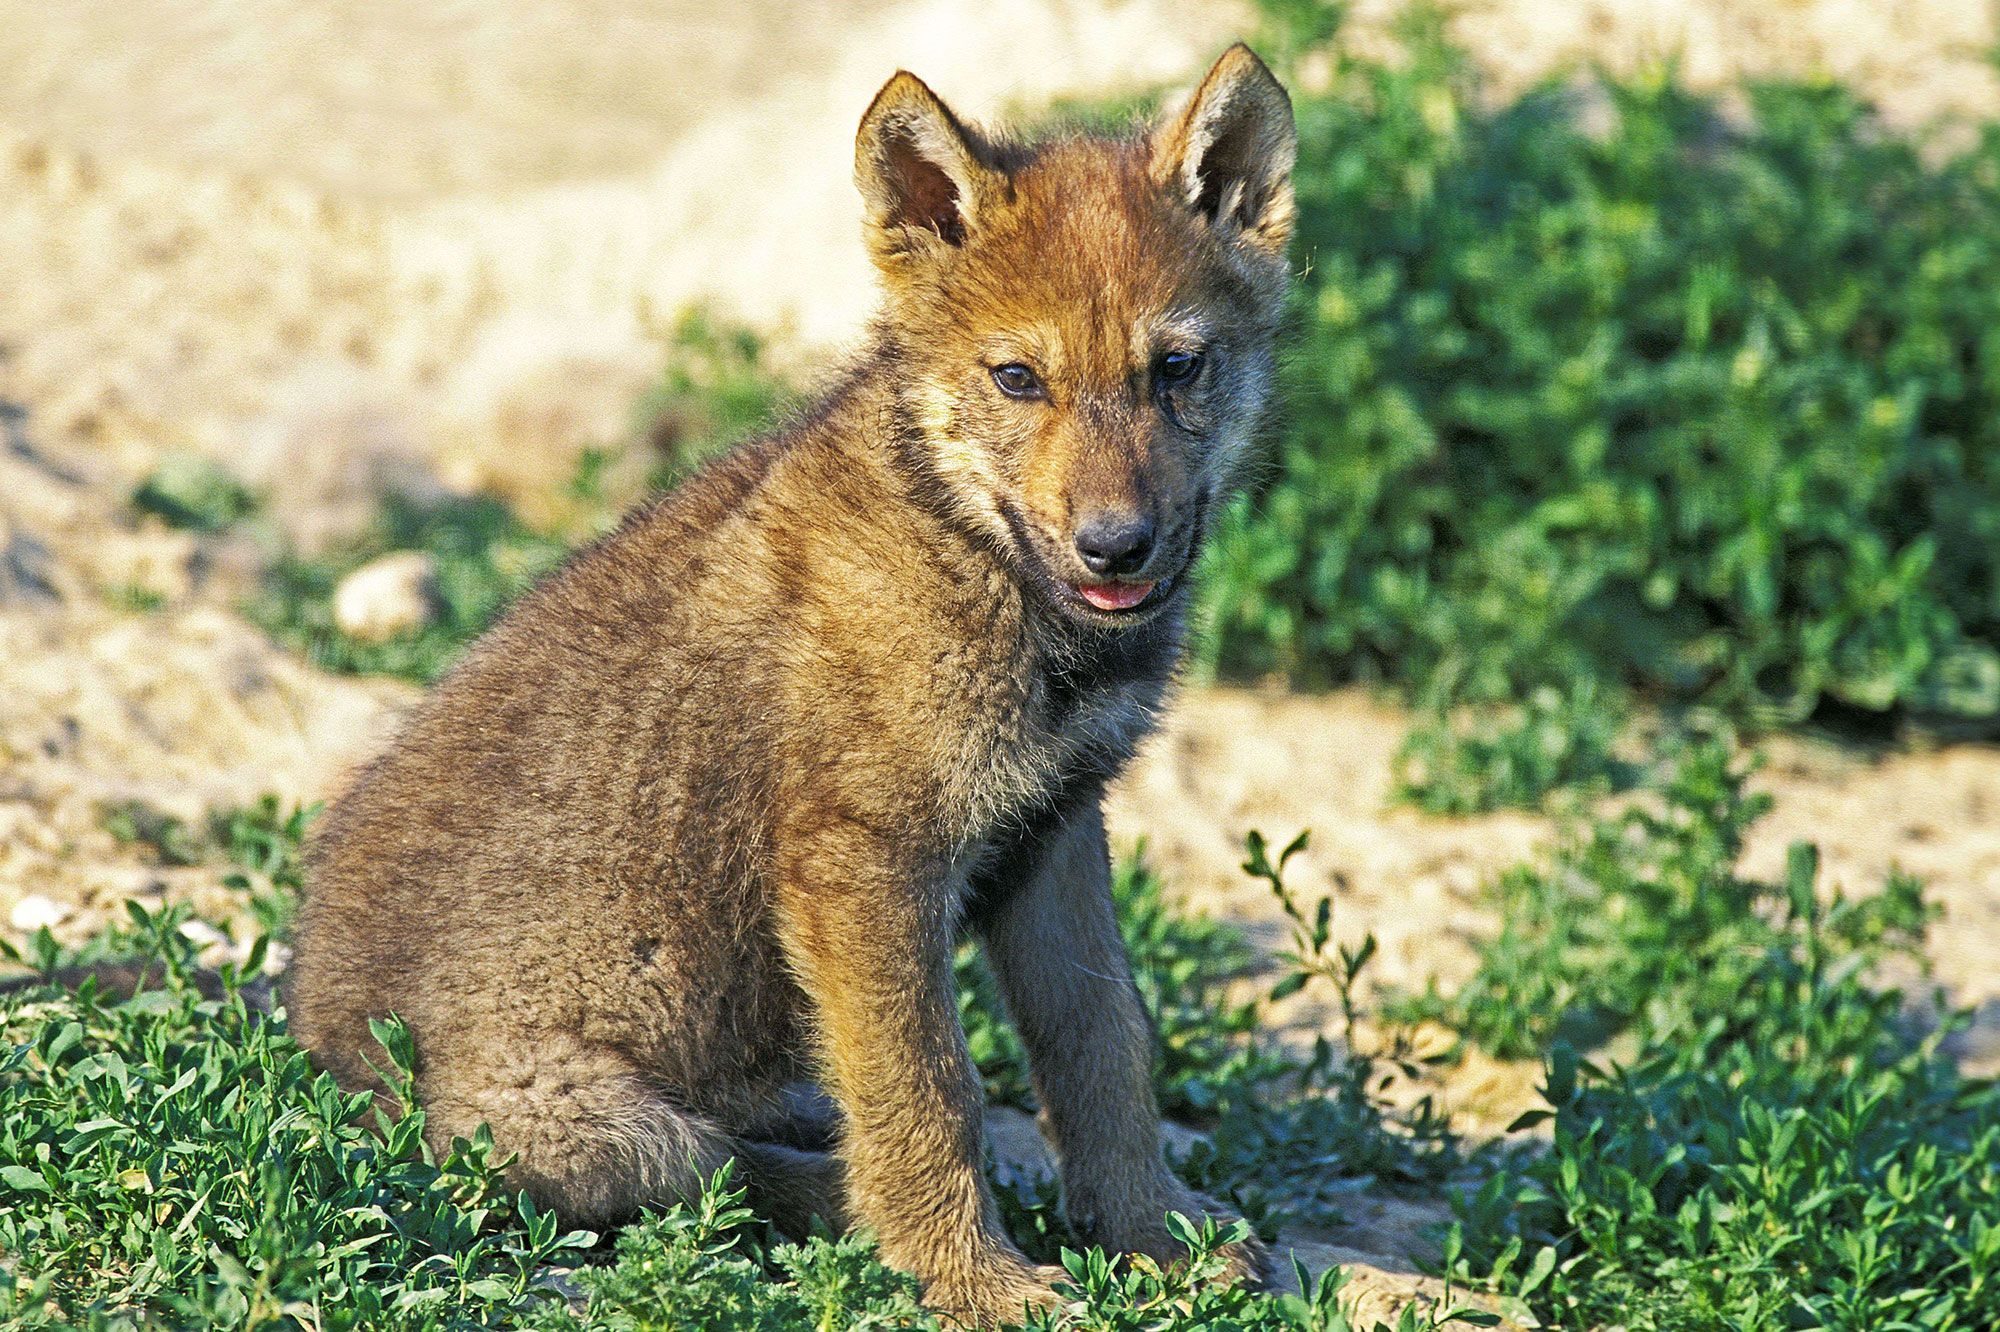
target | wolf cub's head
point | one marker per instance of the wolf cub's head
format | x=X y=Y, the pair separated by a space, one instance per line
x=1085 y=324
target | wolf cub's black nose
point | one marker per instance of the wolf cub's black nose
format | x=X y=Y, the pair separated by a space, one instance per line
x=1114 y=543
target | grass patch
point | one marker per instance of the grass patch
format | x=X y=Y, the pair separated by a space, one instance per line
x=1781 y=1145
x=485 y=557
x=172 y=1160
x=709 y=1267
x=195 y=493
x=266 y=837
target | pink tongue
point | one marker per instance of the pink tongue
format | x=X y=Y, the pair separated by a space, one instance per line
x=1114 y=596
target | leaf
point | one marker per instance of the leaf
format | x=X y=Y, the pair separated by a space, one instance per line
x=1289 y=985
x=24 y=1179
x=1539 y=1270
x=1801 y=875
x=1293 y=847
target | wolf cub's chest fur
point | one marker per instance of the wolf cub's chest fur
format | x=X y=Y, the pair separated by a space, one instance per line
x=1058 y=726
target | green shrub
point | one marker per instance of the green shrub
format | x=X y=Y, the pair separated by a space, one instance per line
x=715 y=392
x=704 y=1266
x=1607 y=388
x=1784 y=1149
x=173 y=1161
x=1511 y=755
x=194 y=492
x=1640 y=922
x=1720 y=1183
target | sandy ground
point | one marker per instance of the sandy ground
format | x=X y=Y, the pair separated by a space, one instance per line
x=1232 y=760
x=323 y=240
x=351 y=245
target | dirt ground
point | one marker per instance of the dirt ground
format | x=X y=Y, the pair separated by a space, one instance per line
x=348 y=246
x=1232 y=760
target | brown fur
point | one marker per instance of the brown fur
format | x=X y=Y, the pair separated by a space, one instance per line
x=700 y=820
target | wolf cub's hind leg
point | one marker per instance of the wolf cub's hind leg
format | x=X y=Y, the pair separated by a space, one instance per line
x=591 y=1139
x=596 y=1143
x=792 y=1188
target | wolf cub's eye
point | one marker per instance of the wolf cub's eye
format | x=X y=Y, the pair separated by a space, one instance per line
x=1017 y=381
x=1179 y=367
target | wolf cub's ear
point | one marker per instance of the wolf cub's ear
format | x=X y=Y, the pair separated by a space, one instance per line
x=1227 y=149
x=922 y=174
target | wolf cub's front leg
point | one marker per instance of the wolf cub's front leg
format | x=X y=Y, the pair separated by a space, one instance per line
x=871 y=939
x=1054 y=945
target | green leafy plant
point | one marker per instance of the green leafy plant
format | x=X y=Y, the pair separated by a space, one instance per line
x=173 y=1160
x=1781 y=1148
x=1140 y=1294
x=1296 y=1133
x=715 y=392
x=1513 y=755
x=136 y=597
x=704 y=1267
x=262 y=844
x=166 y=837
x=197 y=493
x=1640 y=921
x=1604 y=391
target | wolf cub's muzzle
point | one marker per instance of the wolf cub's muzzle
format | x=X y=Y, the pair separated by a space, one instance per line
x=1115 y=546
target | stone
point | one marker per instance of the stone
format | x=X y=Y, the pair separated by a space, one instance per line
x=36 y=912
x=388 y=597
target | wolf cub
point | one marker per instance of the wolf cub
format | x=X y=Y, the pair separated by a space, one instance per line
x=696 y=826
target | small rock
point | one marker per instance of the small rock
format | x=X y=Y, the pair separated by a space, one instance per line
x=202 y=934
x=1020 y=1153
x=35 y=912
x=387 y=597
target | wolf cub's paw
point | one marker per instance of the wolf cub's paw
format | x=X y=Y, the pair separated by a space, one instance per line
x=1247 y=1260
x=1250 y=1262
x=1001 y=1295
